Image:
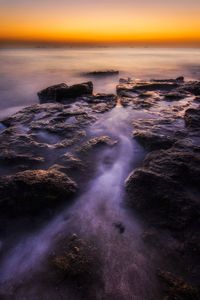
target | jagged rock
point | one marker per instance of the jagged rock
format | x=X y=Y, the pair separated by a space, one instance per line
x=34 y=191
x=160 y=188
x=78 y=260
x=32 y=134
x=146 y=86
x=155 y=134
x=177 y=288
x=153 y=141
x=192 y=87
x=178 y=79
x=95 y=143
x=174 y=96
x=192 y=117
x=61 y=92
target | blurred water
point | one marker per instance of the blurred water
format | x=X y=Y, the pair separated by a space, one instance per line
x=23 y=72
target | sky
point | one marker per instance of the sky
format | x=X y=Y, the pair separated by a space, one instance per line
x=102 y=21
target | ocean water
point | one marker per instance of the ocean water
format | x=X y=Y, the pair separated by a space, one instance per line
x=23 y=72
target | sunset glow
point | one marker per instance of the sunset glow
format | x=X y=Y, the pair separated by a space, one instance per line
x=107 y=21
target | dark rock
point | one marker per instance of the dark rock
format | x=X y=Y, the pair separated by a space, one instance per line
x=153 y=141
x=192 y=117
x=95 y=143
x=30 y=192
x=178 y=79
x=192 y=87
x=160 y=188
x=119 y=226
x=155 y=134
x=174 y=96
x=102 y=73
x=177 y=288
x=77 y=260
x=146 y=86
x=61 y=92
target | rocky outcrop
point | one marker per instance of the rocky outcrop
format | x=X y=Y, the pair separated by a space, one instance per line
x=78 y=260
x=192 y=117
x=95 y=143
x=62 y=92
x=177 y=288
x=160 y=188
x=192 y=87
x=33 y=191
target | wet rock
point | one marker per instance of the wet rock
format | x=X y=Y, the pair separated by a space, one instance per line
x=192 y=118
x=193 y=87
x=178 y=79
x=61 y=92
x=95 y=143
x=177 y=288
x=119 y=226
x=155 y=134
x=146 y=86
x=77 y=260
x=71 y=161
x=102 y=73
x=160 y=188
x=101 y=103
x=153 y=141
x=34 y=134
x=174 y=96
x=34 y=191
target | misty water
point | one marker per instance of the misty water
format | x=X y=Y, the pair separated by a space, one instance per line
x=127 y=263
x=23 y=72
x=127 y=266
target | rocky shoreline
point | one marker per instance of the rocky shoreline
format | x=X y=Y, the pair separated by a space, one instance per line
x=48 y=153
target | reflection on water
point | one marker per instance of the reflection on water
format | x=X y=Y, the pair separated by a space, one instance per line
x=23 y=72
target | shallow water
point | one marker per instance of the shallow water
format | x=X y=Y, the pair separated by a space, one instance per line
x=23 y=72
x=127 y=267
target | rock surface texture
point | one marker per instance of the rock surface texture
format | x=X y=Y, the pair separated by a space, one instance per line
x=49 y=152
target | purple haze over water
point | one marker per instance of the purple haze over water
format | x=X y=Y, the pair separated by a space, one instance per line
x=23 y=72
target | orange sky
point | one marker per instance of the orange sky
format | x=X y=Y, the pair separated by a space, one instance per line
x=113 y=21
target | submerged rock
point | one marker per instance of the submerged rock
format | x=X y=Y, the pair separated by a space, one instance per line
x=62 y=92
x=34 y=191
x=102 y=73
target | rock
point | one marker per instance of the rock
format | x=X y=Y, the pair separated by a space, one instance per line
x=174 y=96
x=160 y=188
x=192 y=87
x=33 y=191
x=146 y=86
x=95 y=143
x=192 y=117
x=119 y=226
x=62 y=92
x=77 y=260
x=71 y=162
x=177 y=288
x=154 y=134
x=102 y=102
x=102 y=73
x=178 y=79
x=35 y=133
x=153 y=141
